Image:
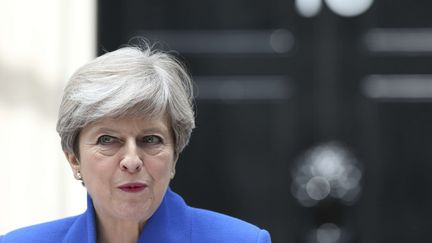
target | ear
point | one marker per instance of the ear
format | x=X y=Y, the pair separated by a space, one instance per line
x=73 y=162
x=174 y=166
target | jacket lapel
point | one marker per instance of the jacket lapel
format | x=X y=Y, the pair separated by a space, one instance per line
x=84 y=228
x=170 y=223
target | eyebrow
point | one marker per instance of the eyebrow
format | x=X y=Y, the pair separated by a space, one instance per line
x=153 y=129
x=104 y=130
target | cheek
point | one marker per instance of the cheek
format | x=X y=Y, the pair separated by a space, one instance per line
x=161 y=167
x=97 y=167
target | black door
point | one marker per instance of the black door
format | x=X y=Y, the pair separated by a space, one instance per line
x=313 y=118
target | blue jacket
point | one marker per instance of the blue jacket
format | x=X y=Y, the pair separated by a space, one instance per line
x=173 y=222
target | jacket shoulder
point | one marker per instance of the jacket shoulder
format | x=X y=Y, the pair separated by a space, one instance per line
x=53 y=231
x=209 y=226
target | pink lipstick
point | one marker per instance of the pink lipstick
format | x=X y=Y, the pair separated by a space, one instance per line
x=132 y=187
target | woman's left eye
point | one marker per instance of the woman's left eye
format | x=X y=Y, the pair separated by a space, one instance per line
x=152 y=139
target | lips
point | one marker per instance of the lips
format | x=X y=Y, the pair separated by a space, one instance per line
x=132 y=187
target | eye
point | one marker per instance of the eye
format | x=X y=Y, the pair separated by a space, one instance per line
x=106 y=140
x=152 y=139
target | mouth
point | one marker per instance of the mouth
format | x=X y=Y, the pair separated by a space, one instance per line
x=132 y=187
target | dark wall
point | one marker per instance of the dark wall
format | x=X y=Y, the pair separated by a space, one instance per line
x=277 y=92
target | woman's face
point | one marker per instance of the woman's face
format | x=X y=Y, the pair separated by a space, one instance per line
x=126 y=165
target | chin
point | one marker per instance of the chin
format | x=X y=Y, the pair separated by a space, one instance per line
x=134 y=212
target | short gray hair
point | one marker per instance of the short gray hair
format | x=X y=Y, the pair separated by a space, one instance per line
x=137 y=81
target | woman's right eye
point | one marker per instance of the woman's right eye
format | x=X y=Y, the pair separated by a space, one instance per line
x=105 y=140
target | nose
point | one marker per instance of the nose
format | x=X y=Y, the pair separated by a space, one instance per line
x=131 y=161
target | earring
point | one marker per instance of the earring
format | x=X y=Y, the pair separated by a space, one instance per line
x=78 y=176
x=172 y=174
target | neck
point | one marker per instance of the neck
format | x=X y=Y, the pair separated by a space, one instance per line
x=118 y=231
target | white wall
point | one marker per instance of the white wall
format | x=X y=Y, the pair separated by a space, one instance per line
x=41 y=43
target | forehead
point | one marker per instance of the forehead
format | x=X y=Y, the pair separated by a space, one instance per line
x=129 y=123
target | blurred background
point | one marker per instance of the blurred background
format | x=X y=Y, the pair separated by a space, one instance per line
x=41 y=44
x=313 y=116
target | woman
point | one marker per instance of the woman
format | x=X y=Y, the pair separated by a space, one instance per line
x=124 y=119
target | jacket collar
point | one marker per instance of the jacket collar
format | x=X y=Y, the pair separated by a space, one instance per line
x=84 y=227
x=171 y=223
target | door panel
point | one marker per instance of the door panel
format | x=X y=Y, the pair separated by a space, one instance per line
x=274 y=88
